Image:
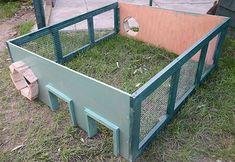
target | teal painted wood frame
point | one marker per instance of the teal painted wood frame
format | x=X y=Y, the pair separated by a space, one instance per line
x=173 y=92
x=92 y=118
x=201 y=64
x=39 y=13
x=172 y=70
x=54 y=30
x=57 y=47
x=84 y=91
x=54 y=104
x=91 y=30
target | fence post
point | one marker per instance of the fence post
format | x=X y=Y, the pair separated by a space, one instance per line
x=135 y=127
x=57 y=46
x=201 y=64
x=116 y=20
x=219 y=45
x=150 y=2
x=173 y=92
x=91 y=30
x=39 y=13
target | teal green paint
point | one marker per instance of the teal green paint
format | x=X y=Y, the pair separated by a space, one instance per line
x=135 y=127
x=105 y=102
x=165 y=73
x=56 y=27
x=173 y=92
x=91 y=127
x=184 y=97
x=53 y=97
x=91 y=30
x=157 y=80
x=205 y=75
x=116 y=20
x=161 y=124
x=85 y=47
x=39 y=13
x=154 y=131
x=54 y=30
x=219 y=45
x=74 y=53
x=105 y=37
x=83 y=91
x=92 y=130
x=201 y=65
x=54 y=105
x=57 y=47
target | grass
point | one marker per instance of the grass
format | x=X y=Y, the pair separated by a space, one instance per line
x=204 y=130
x=8 y=9
x=121 y=62
x=24 y=28
x=118 y=61
x=71 y=41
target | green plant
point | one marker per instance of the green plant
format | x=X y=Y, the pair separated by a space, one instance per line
x=8 y=9
x=25 y=28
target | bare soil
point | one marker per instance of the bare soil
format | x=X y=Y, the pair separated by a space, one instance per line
x=7 y=27
x=8 y=31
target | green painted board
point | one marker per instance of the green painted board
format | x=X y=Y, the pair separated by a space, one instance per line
x=106 y=101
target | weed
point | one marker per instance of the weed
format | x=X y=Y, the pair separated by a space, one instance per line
x=8 y=9
x=121 y=62
x=24 y=28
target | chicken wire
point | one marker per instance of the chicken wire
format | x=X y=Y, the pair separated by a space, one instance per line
x=74 y=37
x=107 y=25
x=153 y=108
x=187 y=78
x=72 y=40
x=42 y=46
x=210 y=52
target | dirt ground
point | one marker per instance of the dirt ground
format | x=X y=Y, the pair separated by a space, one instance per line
x=8 y=31
x=7 y=27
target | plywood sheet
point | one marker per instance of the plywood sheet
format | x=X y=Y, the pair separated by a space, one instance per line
x=108 y=102
x=172 y=30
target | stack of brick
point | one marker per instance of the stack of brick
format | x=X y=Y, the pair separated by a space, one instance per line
x=24 y=80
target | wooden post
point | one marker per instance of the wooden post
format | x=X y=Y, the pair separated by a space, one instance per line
x=39 y=13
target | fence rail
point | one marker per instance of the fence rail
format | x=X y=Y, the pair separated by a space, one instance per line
x=166 y=83
x=54 y=30
x=172 y=71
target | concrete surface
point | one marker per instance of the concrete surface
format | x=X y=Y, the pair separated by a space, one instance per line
x=65 y=9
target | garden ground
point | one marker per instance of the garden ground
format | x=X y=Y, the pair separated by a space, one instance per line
x=204 y=130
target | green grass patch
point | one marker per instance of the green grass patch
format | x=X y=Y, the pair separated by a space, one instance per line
x=25 y=28
x=121 y=62
x=8 y=9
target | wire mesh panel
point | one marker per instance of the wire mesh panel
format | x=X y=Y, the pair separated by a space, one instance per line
x=187 y=76
x=73 y=37
x=153 y=108
x=42 y=46
x=209 y=62
x=107 y=25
